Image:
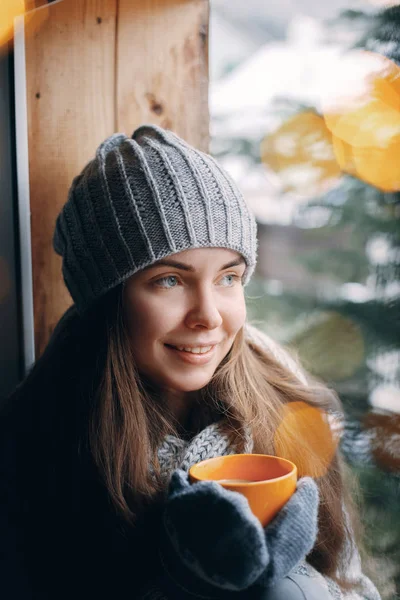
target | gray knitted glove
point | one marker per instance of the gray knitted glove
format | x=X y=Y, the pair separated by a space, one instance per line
x=292 y=534
x=212 y=534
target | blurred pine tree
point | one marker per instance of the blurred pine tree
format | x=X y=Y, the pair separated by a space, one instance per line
x=349 y=335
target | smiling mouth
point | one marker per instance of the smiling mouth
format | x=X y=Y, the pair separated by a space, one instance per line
x=193 y=358
x=201 y=350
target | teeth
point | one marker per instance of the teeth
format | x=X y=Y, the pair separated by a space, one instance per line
x=195 y=350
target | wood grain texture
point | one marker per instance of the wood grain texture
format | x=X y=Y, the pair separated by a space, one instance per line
x=70 y=70
x=162 y=67
x=95 y=67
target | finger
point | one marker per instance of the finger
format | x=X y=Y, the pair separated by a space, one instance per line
x=179 y=482
x=215 y=533
x=307 y=492
x=304 y=501
x=293 y=532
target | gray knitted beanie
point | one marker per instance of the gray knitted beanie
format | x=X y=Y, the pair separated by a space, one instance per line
x=141 y=199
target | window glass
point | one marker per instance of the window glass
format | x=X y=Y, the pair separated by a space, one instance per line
x=305 y=115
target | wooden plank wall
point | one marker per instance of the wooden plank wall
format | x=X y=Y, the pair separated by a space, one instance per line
x=94 y=67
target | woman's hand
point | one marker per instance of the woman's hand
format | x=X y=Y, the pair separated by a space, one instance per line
x=216 y=536
x=292 y=534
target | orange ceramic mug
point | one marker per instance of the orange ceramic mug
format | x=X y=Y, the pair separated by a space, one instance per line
x=267 y=481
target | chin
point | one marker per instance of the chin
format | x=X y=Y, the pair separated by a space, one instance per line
x=192 y=385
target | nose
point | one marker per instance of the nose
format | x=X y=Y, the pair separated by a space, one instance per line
x=204 y=310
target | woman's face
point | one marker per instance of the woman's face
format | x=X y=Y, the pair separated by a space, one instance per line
x=193 y=298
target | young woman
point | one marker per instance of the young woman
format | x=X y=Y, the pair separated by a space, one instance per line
x=151 y=370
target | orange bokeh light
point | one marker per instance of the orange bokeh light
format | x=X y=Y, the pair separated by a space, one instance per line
x=307 y=437
x=9 y=10
x=364 y=119
x=35 y=16
x=300 y=153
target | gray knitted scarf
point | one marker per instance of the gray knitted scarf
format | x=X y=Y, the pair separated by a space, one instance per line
x=176 y=453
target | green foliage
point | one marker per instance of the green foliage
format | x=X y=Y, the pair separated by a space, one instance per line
x=338 y=335
x=342 y=264
x=380 y=513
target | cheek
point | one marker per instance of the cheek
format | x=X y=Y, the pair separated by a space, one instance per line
x=235 y=317
x=148 y=321
x=140 y=325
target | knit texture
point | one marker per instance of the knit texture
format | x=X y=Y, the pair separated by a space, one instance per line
x=175 y=453
x=295 y=521
x=225 y=544
x=141 y=199
x=214 y=534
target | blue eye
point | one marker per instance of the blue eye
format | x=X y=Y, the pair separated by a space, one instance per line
x=160 y=282
x=165 y=279
x=235 y=277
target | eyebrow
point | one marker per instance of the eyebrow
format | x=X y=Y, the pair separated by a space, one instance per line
x=185 y=267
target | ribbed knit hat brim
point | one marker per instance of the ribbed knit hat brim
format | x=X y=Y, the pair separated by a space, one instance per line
x=141 y=199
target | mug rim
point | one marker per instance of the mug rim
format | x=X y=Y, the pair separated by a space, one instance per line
x=292 y=471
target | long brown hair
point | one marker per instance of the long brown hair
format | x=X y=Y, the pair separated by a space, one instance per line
x=250 y=386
